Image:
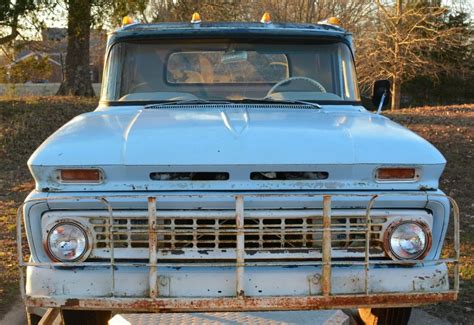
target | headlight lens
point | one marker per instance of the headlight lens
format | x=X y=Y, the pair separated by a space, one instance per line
x=67 y=242
x=408 y=240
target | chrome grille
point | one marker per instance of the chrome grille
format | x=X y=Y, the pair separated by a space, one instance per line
x=212 y=234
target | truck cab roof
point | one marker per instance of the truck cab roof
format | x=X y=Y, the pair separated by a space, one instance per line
x=228 y=29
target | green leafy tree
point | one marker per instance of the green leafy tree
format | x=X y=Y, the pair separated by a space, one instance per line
x=3 y=74
x=116 y=10
x=454 y=83
x=10 y=14
x=31 y=69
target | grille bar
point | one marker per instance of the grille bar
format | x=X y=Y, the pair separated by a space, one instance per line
x=213 y=234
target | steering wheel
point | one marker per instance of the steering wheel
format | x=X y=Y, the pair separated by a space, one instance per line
x=285 y=81
x=140 y=87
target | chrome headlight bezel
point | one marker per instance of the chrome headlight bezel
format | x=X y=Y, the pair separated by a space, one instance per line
x=393 y=227
x=82 y=228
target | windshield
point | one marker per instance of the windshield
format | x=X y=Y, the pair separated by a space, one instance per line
x=229 y=70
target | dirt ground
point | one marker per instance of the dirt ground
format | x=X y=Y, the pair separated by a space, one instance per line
x=24 y=124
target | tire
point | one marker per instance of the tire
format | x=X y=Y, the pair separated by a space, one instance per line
x=86 y=317
x=385 y=316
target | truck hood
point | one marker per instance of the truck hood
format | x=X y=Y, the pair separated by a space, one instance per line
x=237 y=139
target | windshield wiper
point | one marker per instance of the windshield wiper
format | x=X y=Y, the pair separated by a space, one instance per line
x=281 y=101
x=186 y=102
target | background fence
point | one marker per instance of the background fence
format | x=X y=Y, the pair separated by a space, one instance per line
x=30 y=89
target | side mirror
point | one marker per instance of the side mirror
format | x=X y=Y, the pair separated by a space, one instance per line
x=381 y=94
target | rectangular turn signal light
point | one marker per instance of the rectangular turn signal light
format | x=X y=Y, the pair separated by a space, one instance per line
x=396 y=174
x=80 y=175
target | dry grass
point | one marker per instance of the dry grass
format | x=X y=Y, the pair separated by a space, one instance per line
x=24 y=124
x=451 y=130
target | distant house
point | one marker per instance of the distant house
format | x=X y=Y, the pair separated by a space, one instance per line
x=56 y=66
x=53 y=46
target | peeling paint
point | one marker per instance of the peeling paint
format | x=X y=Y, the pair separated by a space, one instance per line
x=164 y=305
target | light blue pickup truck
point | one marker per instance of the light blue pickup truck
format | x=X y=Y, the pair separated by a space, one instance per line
x=232 y=167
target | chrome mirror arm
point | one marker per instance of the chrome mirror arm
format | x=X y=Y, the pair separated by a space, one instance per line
x=379 y=109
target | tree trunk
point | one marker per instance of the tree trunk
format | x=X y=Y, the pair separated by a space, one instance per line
x=77 y=79
x=396 y=94
x=396 y=81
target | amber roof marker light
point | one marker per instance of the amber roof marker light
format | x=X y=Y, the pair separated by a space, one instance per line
x=196 y=18
x=334 y=21
x=266 y=19
x=127 y=20
x=331 y=21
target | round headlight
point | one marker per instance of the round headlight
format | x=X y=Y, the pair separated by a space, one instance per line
x=67 y=242
x=408 y=240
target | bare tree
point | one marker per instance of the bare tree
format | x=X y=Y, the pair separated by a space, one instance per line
x=350 y=12
x=395 y=39
x=400 y=41
x=210 y=10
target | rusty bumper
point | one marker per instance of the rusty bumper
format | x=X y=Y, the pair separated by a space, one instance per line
x=242 y=303
x=155 y=301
